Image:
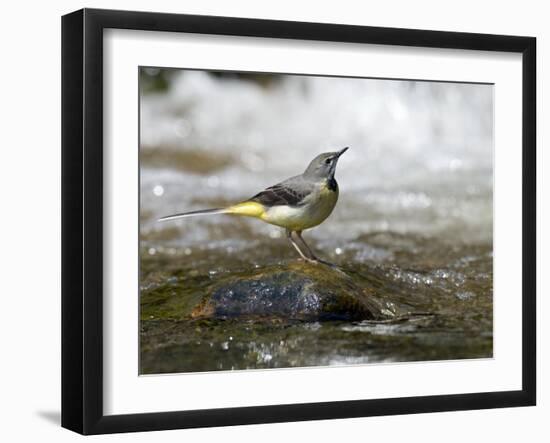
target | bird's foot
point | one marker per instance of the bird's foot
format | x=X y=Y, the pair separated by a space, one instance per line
x=306 y=259
x=312 y=260
x=318 y=261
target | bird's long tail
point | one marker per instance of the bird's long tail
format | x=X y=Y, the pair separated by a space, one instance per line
x=247 y=208
x=193 y=214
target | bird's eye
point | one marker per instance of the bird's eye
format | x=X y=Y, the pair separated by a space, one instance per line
x=328 y=160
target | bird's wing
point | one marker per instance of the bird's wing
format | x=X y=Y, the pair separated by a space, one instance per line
x=291 y=192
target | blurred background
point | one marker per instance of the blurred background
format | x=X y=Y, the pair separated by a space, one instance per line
x=415 y=204
x=420 y=158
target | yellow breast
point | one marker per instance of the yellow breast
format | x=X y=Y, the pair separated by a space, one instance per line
x=316 y=208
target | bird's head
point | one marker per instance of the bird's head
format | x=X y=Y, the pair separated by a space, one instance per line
x=324 y=165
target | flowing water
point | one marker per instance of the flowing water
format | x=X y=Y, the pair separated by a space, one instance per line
x=413 y=224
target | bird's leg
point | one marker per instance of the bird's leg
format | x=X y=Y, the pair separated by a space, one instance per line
x=308 y=249
x=313 y=258
x=289 y=236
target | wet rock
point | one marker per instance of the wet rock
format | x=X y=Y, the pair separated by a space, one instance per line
x=297 y=290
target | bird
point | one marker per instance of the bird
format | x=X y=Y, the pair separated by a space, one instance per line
x=296 y=204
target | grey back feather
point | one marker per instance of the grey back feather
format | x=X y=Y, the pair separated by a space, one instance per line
x=290 y=192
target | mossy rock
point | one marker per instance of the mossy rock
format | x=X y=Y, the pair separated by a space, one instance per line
x=294 y=291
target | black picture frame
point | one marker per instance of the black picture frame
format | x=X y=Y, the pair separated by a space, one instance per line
x=82 y=220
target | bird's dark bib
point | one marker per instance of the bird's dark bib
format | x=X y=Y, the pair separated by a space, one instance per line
x=332 y=185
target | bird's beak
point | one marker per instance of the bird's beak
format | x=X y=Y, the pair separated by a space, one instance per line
x=342 y=151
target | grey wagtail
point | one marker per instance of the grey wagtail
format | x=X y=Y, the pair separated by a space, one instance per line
x=296 y=204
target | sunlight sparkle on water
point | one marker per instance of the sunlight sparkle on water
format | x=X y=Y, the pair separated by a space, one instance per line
x=158 y=190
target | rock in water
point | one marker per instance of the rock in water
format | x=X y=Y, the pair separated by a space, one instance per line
x=296 y=291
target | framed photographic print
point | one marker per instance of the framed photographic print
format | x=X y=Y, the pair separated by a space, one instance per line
x=269 y=221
